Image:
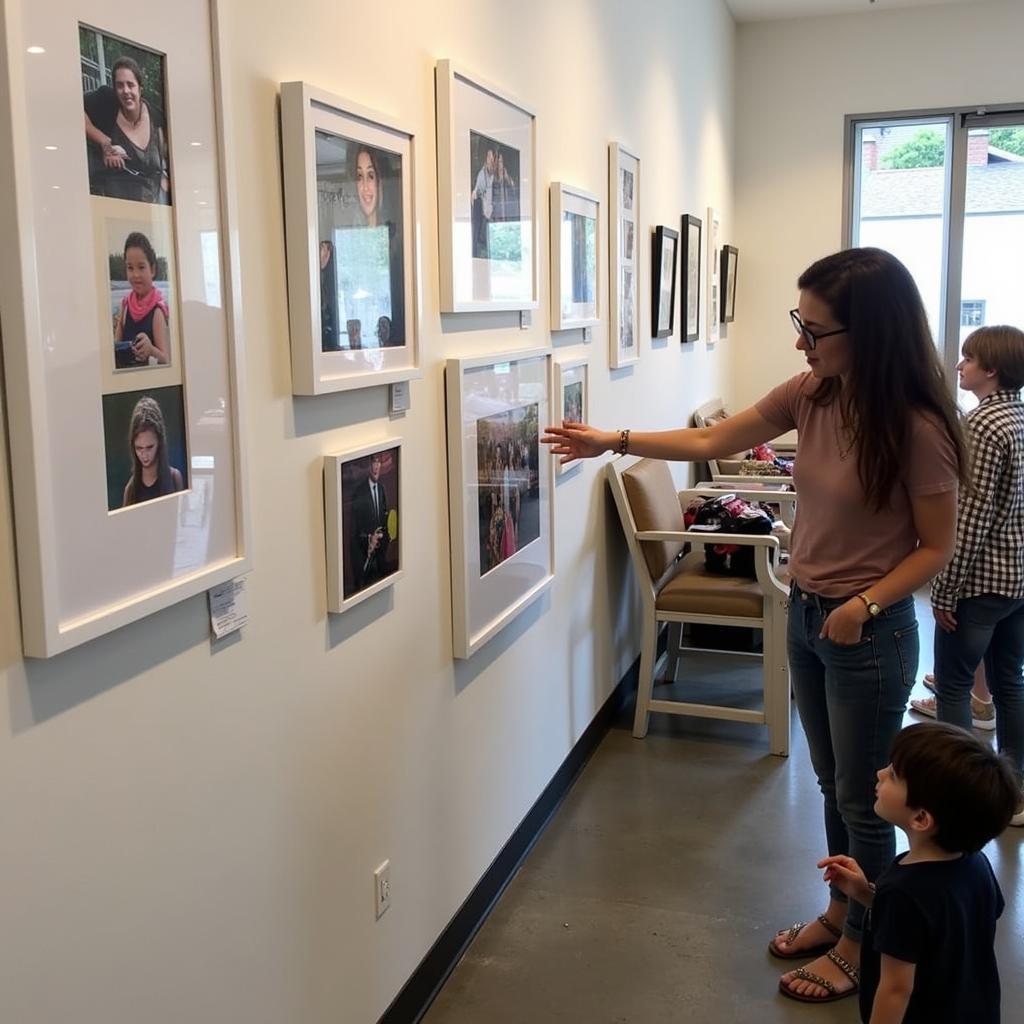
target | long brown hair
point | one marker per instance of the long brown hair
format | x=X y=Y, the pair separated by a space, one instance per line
x=147 y=416
x=894 y=369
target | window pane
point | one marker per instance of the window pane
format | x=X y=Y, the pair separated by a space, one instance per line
x=901 y=175
x=993 y=267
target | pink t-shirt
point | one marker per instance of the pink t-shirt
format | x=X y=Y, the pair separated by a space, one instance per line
x=840 y=544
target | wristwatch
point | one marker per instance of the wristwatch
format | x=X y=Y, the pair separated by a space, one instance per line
x=873 y=607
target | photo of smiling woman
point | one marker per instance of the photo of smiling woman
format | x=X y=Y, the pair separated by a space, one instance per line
x=145 y=444
x=360 y=212
x=123 y=86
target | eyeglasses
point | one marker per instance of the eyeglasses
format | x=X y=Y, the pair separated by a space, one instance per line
x=810 y=336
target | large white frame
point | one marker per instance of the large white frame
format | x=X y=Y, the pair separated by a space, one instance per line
x=84 y=571
x=305 y=110
x=619 y=158
x=569 y=199
x=461 y=97
x=334 y=525
x=476 y=389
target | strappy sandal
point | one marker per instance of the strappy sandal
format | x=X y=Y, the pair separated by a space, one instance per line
x=812 y=951
x=802 y=974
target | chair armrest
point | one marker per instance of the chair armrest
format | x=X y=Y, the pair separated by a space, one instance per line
x=748 y=494
x=710 y=537
x=727 y=480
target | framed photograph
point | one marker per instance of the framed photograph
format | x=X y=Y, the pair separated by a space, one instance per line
x=574 y=249
x=124 y=95
x=121 y=315
x=572 y=387
x=136 y=267
x=486 y=195
x=730 y=260
x=362 y=516
x=690 y=277
x=714 y=295
x=499 y=491
x=623 y=237
x=663 y=281
x=350 y=230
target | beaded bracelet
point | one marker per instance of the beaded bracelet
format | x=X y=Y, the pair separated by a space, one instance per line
x=623 y=442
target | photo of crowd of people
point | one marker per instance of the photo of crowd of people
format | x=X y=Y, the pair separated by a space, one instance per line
x=370 y=516
x=508 y=484
x=494 y=200
x=144 y=433
x=140 y=275
x=362 y=270
x=125 y=118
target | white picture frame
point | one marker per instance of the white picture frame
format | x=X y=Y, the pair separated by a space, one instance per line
x=624 y=255
x=572 y=389
x=352 y=324
x=488 y=243
x=575 y=230
x=714 y=248
x=360 y=564
x=86 y=568
x=497 y=408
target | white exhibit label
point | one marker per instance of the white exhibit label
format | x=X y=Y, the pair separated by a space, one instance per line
x=229 y=607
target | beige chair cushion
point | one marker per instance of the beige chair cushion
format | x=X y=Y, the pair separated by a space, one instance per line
x=655 y=505
x=694 y=589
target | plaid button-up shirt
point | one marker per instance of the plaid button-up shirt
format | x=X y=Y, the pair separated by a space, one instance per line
x=989 y=555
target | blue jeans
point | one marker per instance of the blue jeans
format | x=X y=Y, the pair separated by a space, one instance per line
x=991 y=627
x=851 y=701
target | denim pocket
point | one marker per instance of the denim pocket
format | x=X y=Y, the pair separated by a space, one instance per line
x=908 y=650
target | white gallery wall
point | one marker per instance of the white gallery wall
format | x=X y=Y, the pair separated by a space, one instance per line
x=795 y=82
x=189 y=832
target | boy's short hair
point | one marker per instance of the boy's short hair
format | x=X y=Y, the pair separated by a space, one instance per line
x=1000 y=349
x=971 y=791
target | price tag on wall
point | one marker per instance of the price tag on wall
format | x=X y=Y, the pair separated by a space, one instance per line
x=229 y=607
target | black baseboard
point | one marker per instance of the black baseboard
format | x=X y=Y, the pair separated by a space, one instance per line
x=421 y=989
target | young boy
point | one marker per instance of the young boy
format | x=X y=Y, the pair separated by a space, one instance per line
x=978 y=599
x=928 y=954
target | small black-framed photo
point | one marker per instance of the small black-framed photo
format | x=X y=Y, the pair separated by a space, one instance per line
x=730 y=261
x=692 y=229
x=663 y=279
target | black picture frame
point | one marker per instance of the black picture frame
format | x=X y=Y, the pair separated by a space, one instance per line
x=689 y=284
x=663 y=291
x=730 y=263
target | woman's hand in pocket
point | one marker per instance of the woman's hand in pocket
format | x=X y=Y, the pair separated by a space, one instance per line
x=843 y=625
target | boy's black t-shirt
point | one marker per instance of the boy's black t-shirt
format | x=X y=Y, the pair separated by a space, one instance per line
x=940 y=916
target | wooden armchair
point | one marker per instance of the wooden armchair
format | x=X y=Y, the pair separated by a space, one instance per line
x=675 y=589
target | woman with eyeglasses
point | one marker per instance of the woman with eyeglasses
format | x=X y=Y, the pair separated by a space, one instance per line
x=879 y=461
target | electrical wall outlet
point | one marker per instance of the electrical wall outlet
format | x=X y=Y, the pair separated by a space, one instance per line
x=382 y=888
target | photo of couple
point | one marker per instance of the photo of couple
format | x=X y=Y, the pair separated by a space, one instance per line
x=370 y=499
x=494 y=201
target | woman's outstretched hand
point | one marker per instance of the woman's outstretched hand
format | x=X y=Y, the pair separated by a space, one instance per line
x=578 y=441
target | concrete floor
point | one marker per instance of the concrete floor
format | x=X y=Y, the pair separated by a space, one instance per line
x=653 y=892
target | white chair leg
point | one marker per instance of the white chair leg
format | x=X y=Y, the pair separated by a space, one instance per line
x=675 y=639
x=648 y=649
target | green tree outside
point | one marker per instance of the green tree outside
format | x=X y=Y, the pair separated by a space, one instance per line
x=1010 y=139
x=927 y=148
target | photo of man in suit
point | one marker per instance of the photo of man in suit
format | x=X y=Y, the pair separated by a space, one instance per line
x=369 y=539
